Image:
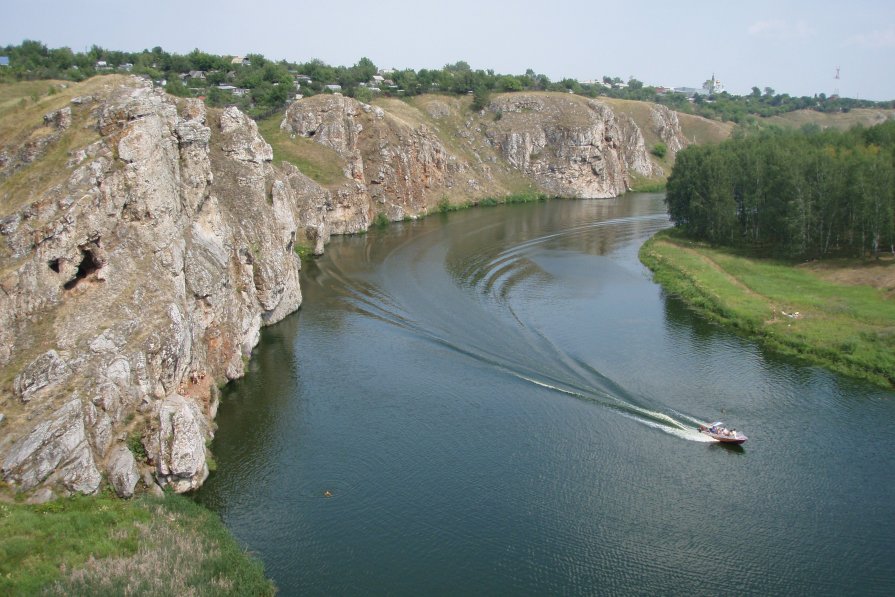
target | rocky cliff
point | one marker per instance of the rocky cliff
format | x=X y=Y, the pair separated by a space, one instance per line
x=132 y=286
x=145 y=239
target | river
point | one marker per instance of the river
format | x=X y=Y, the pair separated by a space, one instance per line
x=501 y=401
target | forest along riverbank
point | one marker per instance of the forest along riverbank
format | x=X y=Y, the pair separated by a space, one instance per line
x=502 y=400
x=838 y=314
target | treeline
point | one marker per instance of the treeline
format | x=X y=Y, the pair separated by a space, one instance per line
x=270 y=84
x=795 y=194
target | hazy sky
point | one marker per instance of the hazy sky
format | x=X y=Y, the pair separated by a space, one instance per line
x=792 y=46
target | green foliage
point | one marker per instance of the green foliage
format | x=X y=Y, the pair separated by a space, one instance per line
x=659 y=150
x=135 y=445
x=794 y=194
x=272 y=83
x=445 y=206
x=381 y=220
x=363 y=94
x=481 y=97
x=648 y=186
x=528 y=197
x=302 y=251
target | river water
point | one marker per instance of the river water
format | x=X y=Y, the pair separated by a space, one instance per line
x=501 y=401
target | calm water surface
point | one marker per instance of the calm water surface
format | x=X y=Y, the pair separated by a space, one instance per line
x=501 y=401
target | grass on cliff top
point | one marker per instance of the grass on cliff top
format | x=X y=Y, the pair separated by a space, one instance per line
x=22 y=108
x=849 y=328
x=704 y=131
x=836 y=120
x=318 y=162
x=107 y=546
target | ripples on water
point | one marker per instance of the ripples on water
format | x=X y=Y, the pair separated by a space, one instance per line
x=495 y=402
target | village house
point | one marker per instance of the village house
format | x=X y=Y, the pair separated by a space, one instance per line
x=126 y=67
x=240 y=60
x=237 y=91
x=102 y=65
x=334 y=87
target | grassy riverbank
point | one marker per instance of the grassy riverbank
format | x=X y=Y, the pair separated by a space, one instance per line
x=107 y=546
x=840 y=315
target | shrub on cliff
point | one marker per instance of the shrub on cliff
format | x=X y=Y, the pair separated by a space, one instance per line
x=481 y=97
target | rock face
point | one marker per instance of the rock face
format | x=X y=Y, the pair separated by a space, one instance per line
x=139 y=278
x=571 y=146
x=396 y=169
x=134 y=285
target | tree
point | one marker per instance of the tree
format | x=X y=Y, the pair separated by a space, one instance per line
x=365 y=69
x=508 y=83
x=481 y=98
x=363 y=94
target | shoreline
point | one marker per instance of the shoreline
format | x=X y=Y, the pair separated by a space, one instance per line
x=844 y=327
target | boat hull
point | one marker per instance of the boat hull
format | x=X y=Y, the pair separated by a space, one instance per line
x=724 y=439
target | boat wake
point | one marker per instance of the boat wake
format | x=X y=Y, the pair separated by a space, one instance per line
x=474 y=316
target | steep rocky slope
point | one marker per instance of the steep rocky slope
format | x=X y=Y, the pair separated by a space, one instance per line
x=144 y=241
x=409 y=155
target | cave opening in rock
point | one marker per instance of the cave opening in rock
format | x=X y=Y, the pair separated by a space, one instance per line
x=87 y=266
x=54 y=265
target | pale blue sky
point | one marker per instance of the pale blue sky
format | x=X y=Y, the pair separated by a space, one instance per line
x=791 y=46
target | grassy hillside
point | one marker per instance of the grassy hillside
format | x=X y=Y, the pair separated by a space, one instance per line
x=316 y=161
x=106 y=546
x=840 y=316
x=22 y=108
x=839 y=120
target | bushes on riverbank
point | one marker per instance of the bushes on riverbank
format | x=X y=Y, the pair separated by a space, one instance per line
x=847 y=328
x=106 y=546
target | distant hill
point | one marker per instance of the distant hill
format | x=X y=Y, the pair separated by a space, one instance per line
x=837 y=120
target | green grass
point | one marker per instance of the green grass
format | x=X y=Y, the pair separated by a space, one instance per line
x=316 y=161
x=846 y=328
x=303 y=251
x=445 y=206
x=647 y=185
x=106 y=546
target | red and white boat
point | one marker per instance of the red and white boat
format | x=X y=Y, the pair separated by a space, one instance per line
x=718 y=432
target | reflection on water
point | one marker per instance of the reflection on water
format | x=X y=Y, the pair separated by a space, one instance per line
x=494 y=401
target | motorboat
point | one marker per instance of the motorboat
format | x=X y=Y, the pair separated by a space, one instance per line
x=718 y=432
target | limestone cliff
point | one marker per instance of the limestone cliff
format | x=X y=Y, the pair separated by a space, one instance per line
x=145 y=239
x=134 y=284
